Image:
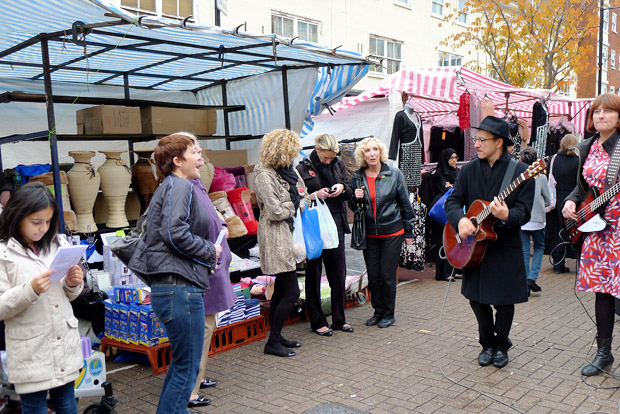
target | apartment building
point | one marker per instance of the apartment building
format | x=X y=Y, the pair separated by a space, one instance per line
x=402 y=33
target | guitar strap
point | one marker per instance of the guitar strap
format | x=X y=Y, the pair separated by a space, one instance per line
x=508 y=175
x=613 y=167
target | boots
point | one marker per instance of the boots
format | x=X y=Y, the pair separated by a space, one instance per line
x=603 y=359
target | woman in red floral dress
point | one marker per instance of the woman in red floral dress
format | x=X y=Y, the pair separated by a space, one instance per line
x=599 y=266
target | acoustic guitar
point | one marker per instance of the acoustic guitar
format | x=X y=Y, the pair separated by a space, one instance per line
x=468 y=253
x=589 y=213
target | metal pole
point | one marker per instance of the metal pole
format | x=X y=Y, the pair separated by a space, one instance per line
x=600 y=47
x=225 y=114
x=51 y=125
x=287 y=115
x=127 y=97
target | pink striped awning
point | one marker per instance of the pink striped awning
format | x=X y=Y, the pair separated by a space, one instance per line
x=438 y=89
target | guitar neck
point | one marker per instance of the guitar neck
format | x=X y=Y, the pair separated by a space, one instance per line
x=501 y=197
x=605 y=197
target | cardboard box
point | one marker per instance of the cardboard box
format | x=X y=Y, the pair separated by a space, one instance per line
x=228 y=159
x=163 y=121
x=108 y=119
x=93 y=373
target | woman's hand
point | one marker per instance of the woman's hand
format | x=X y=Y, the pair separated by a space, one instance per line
x=448 y=185
x=569 y=209
x=218 y=252
x=74 y=276
x=225 y=234
x=41 y=282
x=336 y=189
x=409 y=241
x=359 y=192
x=323 y=193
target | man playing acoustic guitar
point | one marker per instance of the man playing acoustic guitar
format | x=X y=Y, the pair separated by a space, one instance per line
x=499 y=278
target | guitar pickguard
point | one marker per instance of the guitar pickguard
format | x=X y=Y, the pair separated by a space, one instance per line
x=594 y=224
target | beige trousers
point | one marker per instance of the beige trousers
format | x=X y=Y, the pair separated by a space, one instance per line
x=209 y=327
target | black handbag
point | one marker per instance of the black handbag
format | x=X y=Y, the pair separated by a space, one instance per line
x=358 y=233
x=125 y=247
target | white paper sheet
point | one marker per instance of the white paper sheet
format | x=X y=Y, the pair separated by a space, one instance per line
x=66 y=257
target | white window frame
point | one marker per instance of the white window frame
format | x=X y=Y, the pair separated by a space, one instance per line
x=404 y=3
x=159 y=7
x=450 y=57
x=604 y=59
x=605 y=21
x=463 y=13
x=296 y=21
x=612 y=59
x=614 y=22
x=384 y=68
x=441 y=4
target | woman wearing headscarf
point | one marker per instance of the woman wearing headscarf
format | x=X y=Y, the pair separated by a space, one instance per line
x=327 y=179
x=279 y=192
x=443 y=179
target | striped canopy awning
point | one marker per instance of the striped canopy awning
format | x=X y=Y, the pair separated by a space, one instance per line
x=437 y=90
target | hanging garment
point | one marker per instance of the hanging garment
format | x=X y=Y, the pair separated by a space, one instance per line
x=469 y=152
x=412 y=256
x=407 y=136
x=487 y=108
x=557 y=130
x=442 y=138
x=540 y=128
x=515 y=137
x=463 y=111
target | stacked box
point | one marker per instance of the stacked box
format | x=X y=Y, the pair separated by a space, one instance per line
x=128 y=294
x=108 y=318
x=134 y=324
x=152 y=331
x=123 y=322
x=115 y=321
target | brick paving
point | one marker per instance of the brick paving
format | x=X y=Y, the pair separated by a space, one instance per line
x=405 y=368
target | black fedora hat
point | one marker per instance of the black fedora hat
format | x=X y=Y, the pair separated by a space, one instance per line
x=495 y=126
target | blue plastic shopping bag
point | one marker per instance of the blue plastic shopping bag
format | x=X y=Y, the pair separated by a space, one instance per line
x=312 y=233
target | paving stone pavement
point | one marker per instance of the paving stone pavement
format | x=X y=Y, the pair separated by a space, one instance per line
x=424 y=363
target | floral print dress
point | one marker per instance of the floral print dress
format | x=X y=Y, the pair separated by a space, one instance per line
x=599 y=268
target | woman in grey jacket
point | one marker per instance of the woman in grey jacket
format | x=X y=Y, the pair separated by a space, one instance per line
x=535 y=228
x=178 y=257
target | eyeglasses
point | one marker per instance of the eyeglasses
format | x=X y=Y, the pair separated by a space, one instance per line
x=481 y=140
x=454 y=157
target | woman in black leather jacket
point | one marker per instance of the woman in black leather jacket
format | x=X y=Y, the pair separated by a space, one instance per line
x=177 y=256
x=389 y=218
x=326 y=177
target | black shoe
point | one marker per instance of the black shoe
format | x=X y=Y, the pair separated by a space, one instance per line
x=278 y=350
x=208 y=383
x=344 y=328
x=560 y=269
x=500 y=359
x=486 y=356
x=603 y=360
x=290 y=344
x=328 y=332
x=386 y=322
x=533 y=286
x=201 y=401
x=373 y=320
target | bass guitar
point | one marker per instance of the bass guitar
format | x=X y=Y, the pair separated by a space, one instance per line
x=468 y=253
x=589 y=213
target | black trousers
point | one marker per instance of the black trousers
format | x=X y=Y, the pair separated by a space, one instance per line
x=336 y=272
x=381 y=257
x=285 y=294
x=494 y=334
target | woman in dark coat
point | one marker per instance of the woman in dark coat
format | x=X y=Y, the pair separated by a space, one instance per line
x=565 y=170
x=443 y=179
x=326 y=177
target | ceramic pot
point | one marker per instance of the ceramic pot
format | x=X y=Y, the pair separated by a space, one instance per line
x=115 y=182
x=207 y=171
x=83 y=185
x=144 y=178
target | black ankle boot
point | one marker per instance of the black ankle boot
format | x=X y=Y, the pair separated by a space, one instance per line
x=603 y=359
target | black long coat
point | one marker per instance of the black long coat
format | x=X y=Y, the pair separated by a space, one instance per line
x=500 y=279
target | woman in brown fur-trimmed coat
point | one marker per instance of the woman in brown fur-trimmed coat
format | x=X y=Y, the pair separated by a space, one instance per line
x=279 y=191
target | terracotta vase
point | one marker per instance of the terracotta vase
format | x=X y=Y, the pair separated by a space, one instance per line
x=207 y=171
x=144 y=178
x=83 y=185
x=115 y=182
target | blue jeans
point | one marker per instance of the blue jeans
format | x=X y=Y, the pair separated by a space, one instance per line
x=61 y=398
x=538 y=236
x=179 y=306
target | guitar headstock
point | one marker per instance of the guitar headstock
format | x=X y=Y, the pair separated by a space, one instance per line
x=537 y=168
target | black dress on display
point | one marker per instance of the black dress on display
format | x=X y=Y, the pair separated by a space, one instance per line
x=407 y=142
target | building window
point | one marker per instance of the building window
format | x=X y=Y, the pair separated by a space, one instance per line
x=604 y=60
x=389 y=51
x=605 y=21
x=294 y=26
x=449 y=59
x=438 y=7
x=614 y=18
x=168 y=8
x=406 y=3
x=612 y=59
x=463 y=13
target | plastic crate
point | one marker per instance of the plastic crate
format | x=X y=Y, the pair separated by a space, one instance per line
x=159 y=356
x=295 y=316
x=353 y=299
x=240 y=333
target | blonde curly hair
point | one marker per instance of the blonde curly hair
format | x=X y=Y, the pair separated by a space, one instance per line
x=359 y=151
x=279 y=147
